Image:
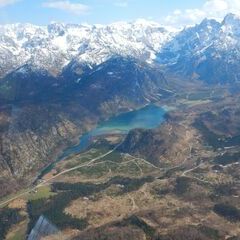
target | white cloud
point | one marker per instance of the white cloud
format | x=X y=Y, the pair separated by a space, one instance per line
x=66 y=5
x=216 y=9
x=4 y=3
x=122 y=4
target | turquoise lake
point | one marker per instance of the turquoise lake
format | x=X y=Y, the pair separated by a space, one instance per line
x=148 y=117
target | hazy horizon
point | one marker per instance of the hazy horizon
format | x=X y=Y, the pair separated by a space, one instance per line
x=171 y=13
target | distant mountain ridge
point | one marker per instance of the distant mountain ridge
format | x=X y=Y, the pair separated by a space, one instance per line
x=209 y=51
x=55 y=46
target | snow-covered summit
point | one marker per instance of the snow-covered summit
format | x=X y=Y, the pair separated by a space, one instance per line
x=54 y=46
x=209 y=50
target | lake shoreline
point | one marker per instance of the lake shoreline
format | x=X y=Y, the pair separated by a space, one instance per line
x=147 y=117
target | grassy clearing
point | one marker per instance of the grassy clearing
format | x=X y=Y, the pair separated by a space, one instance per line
x=42 y=192
x=111 y=166
x=82 y=158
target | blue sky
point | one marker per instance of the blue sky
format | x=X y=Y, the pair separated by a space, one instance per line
x=171 y=12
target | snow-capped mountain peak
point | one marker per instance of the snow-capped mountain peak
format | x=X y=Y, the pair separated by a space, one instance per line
x=52 y=47
x=208 y=51
x=59 y=46
x=231 y=19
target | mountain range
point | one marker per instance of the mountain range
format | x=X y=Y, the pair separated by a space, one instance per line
x=57 y=45
x=74 y=75
x=208 y=51
x=71 y=76
x=179 y=180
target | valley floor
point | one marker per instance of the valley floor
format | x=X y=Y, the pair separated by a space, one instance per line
x=179 y=181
